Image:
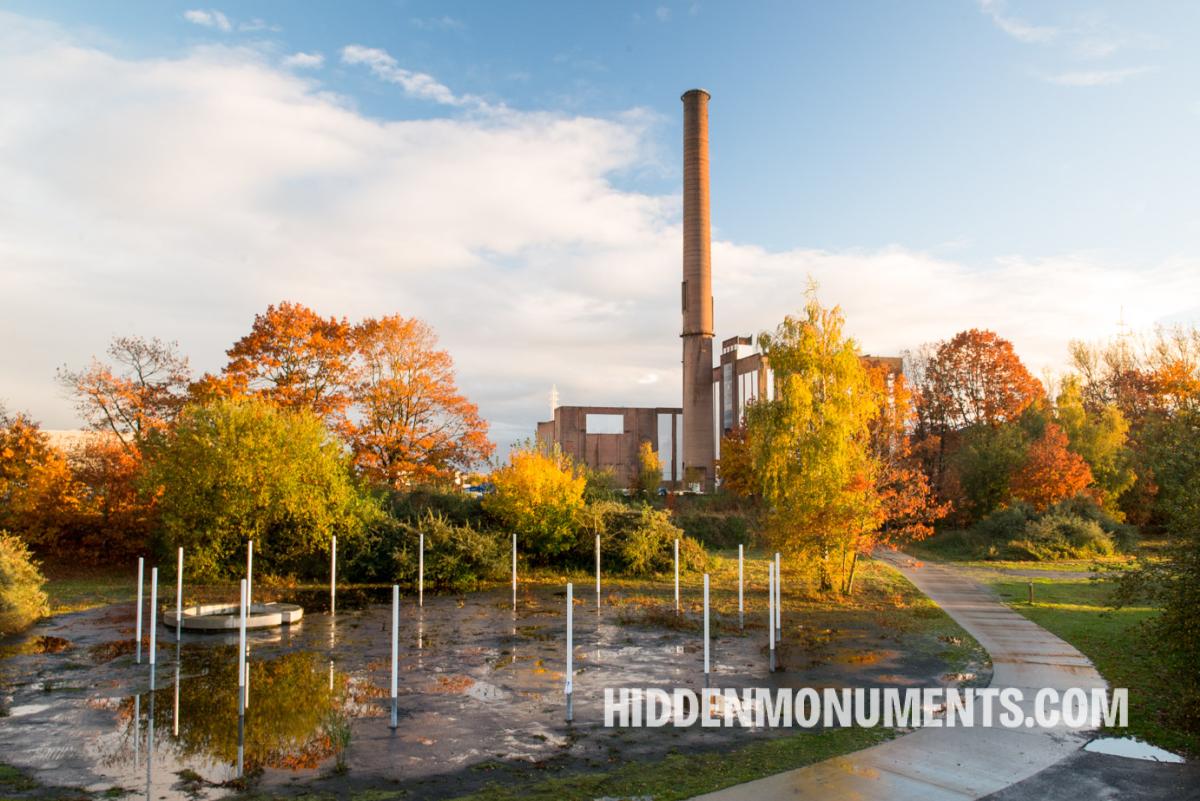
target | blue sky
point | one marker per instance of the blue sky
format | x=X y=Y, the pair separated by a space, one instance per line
x=969 y=162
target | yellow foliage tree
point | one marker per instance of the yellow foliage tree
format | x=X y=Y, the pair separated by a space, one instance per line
x=649 y=469
x=539 y=495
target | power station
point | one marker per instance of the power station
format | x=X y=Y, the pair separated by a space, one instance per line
x=714 y=398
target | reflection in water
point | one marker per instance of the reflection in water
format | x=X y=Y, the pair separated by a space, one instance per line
x=284 y=728
x=150 y=733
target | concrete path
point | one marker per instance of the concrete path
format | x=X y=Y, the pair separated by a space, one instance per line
x=933 y=764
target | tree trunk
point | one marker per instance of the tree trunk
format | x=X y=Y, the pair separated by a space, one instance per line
x=850 y=579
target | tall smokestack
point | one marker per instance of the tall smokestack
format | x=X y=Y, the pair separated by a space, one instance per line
x=699 y=443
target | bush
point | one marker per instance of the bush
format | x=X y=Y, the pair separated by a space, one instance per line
x=457 y=557
x=640 y=542
x=1076 y=528
x=1061 y=535
x=22 y=600
x=719 y=531
x=538 y=495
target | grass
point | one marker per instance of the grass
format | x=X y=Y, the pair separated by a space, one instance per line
x=1079 y=612
x=686 y=775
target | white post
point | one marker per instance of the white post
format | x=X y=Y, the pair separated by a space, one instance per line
x=771 y=609
x=333 y=577
x=241 y=676
x=597 y=571
x=706 y=665
x=249 y=573
x=153 y=613
x=676 y=575
x=514 y=571
x=179 y=597
x=421 y=571
x=141 y=582
x=395 y=645
x=741 y=577
x=570 y=675
x=778 y=597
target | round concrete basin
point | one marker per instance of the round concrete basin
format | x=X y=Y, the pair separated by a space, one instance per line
x=224 y=617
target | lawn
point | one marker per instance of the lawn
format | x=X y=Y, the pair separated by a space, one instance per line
x=1079 y=611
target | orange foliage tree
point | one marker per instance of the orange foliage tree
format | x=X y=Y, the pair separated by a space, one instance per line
x=39 y=497
x=972 y=381
x=909 y=508
x=142 y=394
x=412 y=425
x=1051 y=473
x=296 y=359
x=736 y=465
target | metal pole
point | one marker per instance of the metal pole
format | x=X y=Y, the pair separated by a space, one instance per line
x=333 y=577
x=1031 y=593
x=179 y=597
x=771 y=610
x=395 y=645
x=570 y=683
x=514 y=571
x=778 y=597
x=597 y=571
x=153 y=613
x=241 y=680
x=676 y=575
x=249 y=573
x=741 y=595
x=141 y=582
x=421 y=571
x=706 y=664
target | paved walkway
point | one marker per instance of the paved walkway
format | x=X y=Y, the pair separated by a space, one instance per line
x=955 y=763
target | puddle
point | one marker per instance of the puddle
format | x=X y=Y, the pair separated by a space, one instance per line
x=1131 y=748
x=479 y=692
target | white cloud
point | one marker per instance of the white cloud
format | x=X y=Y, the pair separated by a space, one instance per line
x=179 y=196
x=1017 y=28
x=208 y=18
x=304 y=61
x=415 y=84
x=1097 y=77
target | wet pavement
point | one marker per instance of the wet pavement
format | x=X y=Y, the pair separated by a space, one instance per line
x=480 y=692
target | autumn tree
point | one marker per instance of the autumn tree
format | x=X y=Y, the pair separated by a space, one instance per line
x=1100 y=435
x=243 y=469
x=411 y=423
x=296 y=359
x=39 y=497
x=139 y=394
x=649 y=472
x=812 y=443
x=736 y=465
x=909 y=508
x=538 y=495
x=1051 y=472
x=973 y=379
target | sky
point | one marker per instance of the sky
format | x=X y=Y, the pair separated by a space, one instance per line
x=510 y=173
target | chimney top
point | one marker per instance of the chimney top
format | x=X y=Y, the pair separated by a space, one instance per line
x=695 y=91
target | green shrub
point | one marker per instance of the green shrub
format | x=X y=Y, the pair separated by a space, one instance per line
x=1005 y=525
x=415 y=504
x=457 y=557
x=22 y=600
x=719 y=531
x=640 y=542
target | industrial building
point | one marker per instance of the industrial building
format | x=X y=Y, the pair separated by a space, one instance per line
x=714 y=398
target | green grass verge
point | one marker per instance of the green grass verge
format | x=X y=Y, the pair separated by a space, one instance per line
x=1078 y=611
x=686 y=775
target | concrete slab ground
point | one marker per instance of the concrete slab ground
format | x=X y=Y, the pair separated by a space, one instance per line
x=954 y=764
